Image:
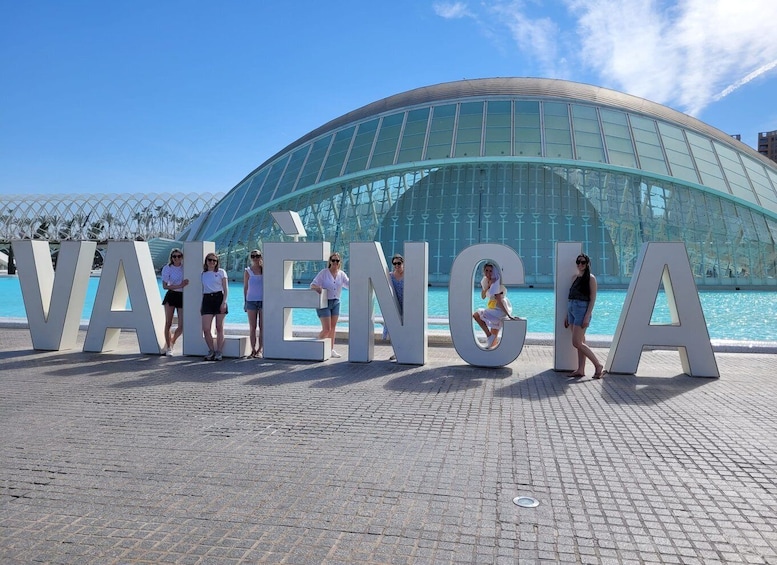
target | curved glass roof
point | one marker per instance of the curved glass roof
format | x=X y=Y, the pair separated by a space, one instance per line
x=505 y=120
x=56 y=217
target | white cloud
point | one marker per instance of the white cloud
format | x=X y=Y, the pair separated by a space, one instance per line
x=687 y=54
x=451 y=10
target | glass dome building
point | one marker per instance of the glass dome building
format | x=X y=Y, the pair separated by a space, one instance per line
x=521 y=161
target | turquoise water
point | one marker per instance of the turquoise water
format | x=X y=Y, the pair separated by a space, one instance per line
x=736 y=315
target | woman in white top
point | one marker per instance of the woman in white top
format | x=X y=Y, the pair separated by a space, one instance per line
x=332 y=280
x=214 y=305
x=253 y=294
x=174 y=283
x=491 y=318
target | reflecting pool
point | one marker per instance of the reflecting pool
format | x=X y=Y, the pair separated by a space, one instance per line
x=737 y=315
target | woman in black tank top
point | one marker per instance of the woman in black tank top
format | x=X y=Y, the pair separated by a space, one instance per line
x=582 y=297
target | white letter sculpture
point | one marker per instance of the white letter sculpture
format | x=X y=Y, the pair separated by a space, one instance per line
x=460 y=305
x=54 y=301
x=128 y=272
x=667 y=261
x=408 y=331
x=280 y=297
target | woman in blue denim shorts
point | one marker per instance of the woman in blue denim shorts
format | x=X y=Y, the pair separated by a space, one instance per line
x=253 y=293
x=330 y=281
x=582 y=297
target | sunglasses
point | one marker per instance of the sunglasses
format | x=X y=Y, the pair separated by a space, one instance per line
x=212 y=260
x=334 y=260
x=396 y=263
x=581 y=262
x=177 y=256
x=256 y=256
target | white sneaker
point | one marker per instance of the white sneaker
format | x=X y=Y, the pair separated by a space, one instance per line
x=490 y=341
x=169 y=351
x=335 y=354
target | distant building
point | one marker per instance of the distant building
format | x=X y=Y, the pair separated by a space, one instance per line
x=767 y=144
x=524 y=162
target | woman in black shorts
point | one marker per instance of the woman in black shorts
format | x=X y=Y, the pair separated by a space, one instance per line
x=174 y=283
x=214 y=305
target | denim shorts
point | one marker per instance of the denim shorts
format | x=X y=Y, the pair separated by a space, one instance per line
x=576 y=310
x=332 y=309
x=253 y=305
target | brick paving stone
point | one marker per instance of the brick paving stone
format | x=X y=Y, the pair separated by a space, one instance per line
x=128 y=458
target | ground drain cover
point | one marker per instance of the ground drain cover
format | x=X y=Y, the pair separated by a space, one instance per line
x=526 y=502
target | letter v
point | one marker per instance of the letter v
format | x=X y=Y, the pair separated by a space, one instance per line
x=54 y=302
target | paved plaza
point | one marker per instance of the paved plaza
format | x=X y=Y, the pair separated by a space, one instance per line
x=128 y=458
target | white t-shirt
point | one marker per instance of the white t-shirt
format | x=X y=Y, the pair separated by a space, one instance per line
x=211 y=281
x=172 y=274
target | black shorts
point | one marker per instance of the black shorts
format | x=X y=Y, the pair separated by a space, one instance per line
x=174 y=298
x=211 y=304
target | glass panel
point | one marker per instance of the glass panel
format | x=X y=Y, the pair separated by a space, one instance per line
x=469 y=130
x=313 y=165
x=707 y=162
x=558 y=139
x=498 y=128
x=388 y=137
x=414 y=135
x=292 y=171
x=763 y=187
x=268 y=190
x=651 y=158
x=617 y=135
x=362 y=145
x=528 y=140
x=735 y=173
x=234 y=205
x=677 y=152
x=334 y=162
x=441 y=132
x=256 y=186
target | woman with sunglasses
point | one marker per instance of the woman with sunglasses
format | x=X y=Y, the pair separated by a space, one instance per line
x=174 y=283
x=332 y=281
x=582 y=297
x=397 y=277
x=253 y=293
x=498 y=307
x=215 y=286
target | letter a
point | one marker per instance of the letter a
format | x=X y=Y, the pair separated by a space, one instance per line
x=667 y=261
x=128 y=272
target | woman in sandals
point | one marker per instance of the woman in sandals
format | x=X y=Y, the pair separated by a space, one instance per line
x=331 y=281
x=253 y=293
x=174 y=283
x=215 y=286
x=582 y=297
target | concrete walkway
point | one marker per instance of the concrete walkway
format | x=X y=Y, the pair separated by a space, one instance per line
x=128 y=458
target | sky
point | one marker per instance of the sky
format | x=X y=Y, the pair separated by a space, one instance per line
x=166 y=96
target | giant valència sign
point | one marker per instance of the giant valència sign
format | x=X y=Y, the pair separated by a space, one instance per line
x=54 y=302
